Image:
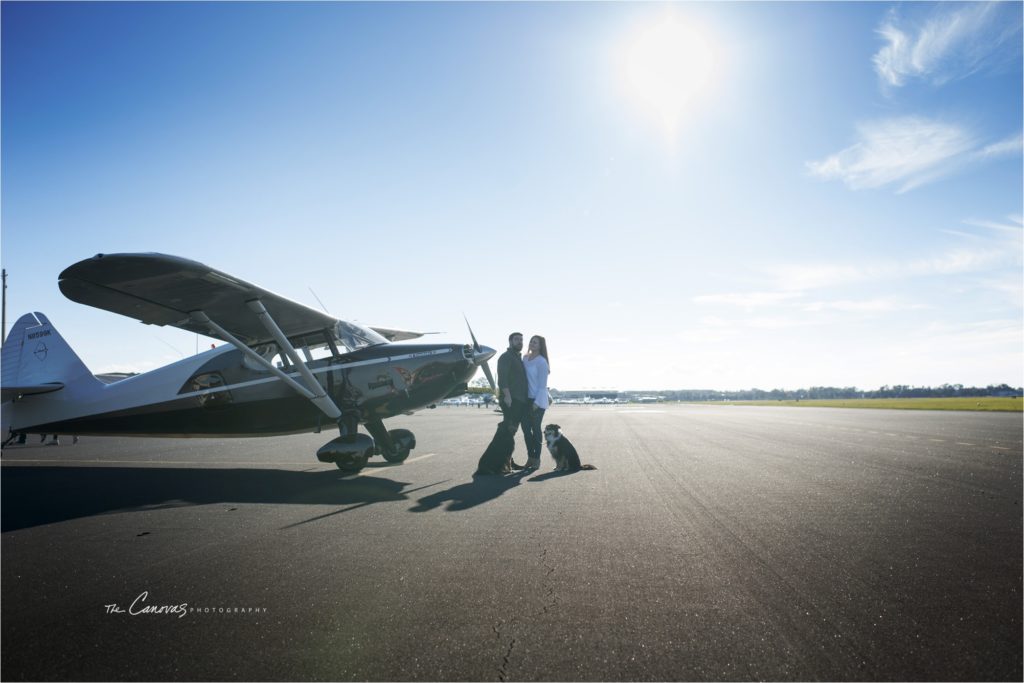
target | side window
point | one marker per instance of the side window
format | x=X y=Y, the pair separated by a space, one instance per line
x=320 y=352
x=267 y=351
x=208 y=381
x=314 y=346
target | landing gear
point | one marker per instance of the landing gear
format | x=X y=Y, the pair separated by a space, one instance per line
x=351 y=450
x=352 y=464
x=349 y=453
x=403 y=441
x=394 y=445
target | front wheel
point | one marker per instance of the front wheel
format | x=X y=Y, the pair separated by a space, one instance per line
x=403 y=441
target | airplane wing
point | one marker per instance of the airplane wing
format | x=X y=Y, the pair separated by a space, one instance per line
x=398 y=335
x=158 y=289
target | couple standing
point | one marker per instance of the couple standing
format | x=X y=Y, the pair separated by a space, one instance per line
x=523 y=393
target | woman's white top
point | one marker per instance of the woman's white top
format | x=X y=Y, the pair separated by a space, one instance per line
x=537 y=380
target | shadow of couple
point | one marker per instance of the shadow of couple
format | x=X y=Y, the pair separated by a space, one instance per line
x=483 y=488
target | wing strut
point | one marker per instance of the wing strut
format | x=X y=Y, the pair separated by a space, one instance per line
x=314 y=392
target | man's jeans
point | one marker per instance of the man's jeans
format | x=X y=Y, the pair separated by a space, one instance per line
x=533 y=432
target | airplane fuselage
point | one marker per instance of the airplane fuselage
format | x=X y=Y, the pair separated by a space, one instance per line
x=219 y=393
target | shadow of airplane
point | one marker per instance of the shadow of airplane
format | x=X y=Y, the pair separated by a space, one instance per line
x=44 y=495
x=482 y=489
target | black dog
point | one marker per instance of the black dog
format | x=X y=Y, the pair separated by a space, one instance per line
x=496 y=457
x=562 y=450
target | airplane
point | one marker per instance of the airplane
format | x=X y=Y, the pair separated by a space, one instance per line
x=286 y=368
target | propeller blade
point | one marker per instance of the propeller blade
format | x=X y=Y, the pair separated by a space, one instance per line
x=476 y=344
x=480 y=357
x=490 y=378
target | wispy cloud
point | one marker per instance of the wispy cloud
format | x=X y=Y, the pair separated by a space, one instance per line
x=978 y=337
x=881 y=305
x=748 y=300
x=796 y=301
x=1013 y=225
x=1007 y=288
x=996 y=250
x=788 y=284
x=953 y=43
x=1008 y=147
x=803 y=278
x=907 y=152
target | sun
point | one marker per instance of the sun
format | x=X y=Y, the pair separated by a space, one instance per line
x=667 y=67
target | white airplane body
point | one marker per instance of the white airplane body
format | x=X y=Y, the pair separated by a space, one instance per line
x=286 y=368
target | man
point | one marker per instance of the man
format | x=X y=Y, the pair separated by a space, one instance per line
x=512 y=388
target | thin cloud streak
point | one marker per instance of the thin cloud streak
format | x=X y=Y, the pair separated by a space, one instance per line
x=746 y=299
x=953 y=45
x=887 y=305
x=801 y=278
x=909 y=152
x=1008 y=147
x=1001 y=247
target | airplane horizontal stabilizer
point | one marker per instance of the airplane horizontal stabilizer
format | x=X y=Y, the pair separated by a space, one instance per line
x=10 y=393
x=37 y=360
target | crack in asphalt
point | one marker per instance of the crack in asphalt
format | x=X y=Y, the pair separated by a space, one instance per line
x=549 y=604
x=551 y=599
x=507 y=657
x=503 y=670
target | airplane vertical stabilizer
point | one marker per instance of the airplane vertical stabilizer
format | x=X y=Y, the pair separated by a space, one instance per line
x=35 y=355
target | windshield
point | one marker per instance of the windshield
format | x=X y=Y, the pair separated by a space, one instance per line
x=354 y=337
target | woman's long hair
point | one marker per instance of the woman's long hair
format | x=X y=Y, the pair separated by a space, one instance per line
x=543 y=348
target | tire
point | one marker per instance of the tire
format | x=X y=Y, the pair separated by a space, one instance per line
x=353 y=464
x=404 y=442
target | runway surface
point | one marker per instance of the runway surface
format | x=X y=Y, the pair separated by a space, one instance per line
x=712 y=543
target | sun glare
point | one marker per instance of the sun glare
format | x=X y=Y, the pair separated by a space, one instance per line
x=667 y=67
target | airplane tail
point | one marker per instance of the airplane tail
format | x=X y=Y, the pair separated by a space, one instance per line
x=37 y=360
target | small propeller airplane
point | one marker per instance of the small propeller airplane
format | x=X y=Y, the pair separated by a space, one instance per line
x=286 y=368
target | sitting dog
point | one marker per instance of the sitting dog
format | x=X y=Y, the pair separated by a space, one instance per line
x=562 y=450
x=498 y=455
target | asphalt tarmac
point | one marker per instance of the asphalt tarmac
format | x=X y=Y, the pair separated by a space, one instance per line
x=712 y=543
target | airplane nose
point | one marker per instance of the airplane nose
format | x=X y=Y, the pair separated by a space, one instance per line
x=481 y=354
x=484 y=354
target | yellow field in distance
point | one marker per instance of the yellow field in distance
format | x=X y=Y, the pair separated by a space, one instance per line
x=997 y=403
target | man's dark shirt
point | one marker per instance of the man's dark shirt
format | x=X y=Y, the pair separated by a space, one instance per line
x=511 y=375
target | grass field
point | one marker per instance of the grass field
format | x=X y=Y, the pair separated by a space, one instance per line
x=976 y=403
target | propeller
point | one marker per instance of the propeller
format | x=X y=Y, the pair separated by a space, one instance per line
x=480 y=356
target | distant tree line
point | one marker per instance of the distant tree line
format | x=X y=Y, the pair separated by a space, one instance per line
x=896 y=391
x=480 y=386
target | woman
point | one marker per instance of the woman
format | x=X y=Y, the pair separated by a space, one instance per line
x=537 y=369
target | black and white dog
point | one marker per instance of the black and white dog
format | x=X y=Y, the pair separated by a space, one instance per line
x=562 y=450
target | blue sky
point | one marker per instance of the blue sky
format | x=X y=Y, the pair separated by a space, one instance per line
x=723 y=196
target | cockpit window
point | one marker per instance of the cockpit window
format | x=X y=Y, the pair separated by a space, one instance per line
x=314 y=346
x=354 y=337
x=343 y=338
